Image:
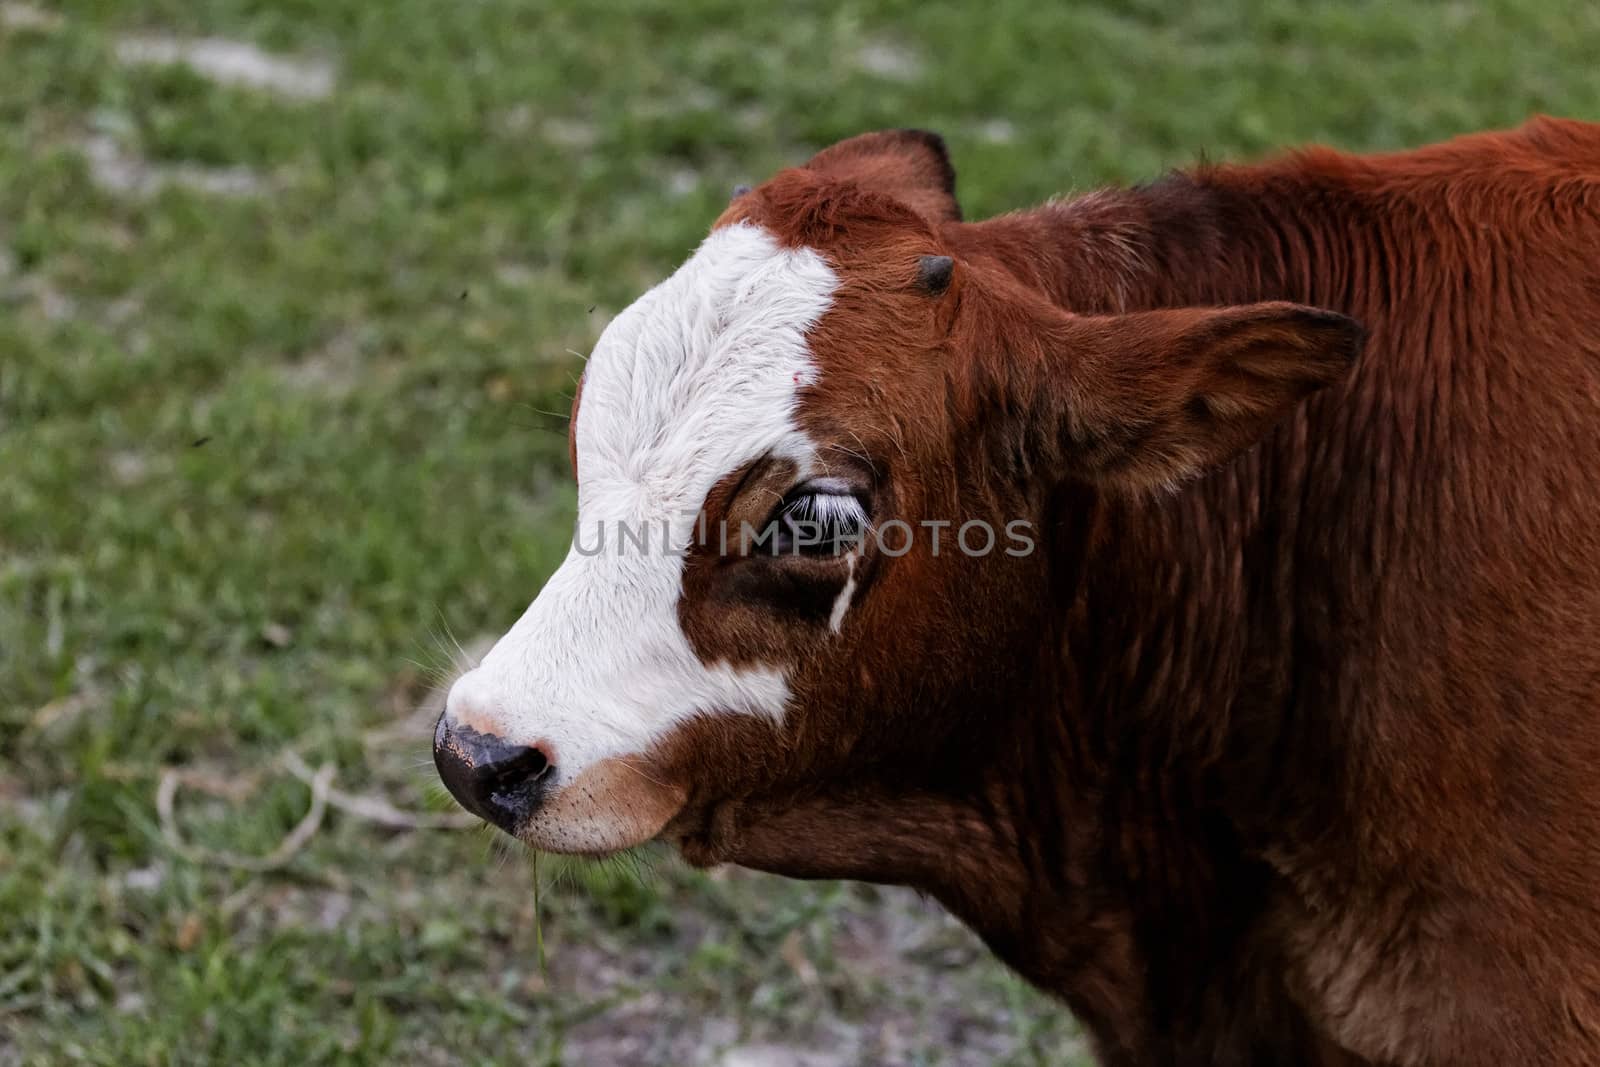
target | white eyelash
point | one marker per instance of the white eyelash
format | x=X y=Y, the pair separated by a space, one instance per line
x=839 y=512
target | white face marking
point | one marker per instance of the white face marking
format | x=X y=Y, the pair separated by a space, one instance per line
x=841 y=603
x=697 y=378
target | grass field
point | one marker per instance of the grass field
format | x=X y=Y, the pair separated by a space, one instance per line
x=288 y=295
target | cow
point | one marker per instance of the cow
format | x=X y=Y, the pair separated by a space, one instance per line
x=1268 y=729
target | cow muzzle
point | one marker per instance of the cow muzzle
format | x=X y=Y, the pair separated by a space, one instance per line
x=501 y=782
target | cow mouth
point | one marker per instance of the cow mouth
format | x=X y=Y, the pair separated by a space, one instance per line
x=608 y=808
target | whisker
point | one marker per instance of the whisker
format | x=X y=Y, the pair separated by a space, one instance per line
x=539 y=427
x=563 y=416
x=654 y=781
x=463 y=661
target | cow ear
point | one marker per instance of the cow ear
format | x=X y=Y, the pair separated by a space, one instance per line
x=1155 y=398
x=912 y=166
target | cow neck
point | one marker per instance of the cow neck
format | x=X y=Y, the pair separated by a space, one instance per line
x=1158 y=754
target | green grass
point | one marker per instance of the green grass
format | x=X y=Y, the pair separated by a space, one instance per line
x=260 y=453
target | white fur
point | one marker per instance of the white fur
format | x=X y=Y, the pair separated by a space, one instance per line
x=841 y=603
x=697 y=378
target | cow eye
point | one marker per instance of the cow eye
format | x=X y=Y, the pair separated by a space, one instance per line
x=819 y=520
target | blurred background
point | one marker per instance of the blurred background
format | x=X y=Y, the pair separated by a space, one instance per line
x=292 y=296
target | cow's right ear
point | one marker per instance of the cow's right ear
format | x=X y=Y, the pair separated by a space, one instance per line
x=912 y=166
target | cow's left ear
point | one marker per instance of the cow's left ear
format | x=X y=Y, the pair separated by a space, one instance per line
x=912 y=166
x=1155 y=398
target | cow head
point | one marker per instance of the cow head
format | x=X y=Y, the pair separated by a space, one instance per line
x=812 y=469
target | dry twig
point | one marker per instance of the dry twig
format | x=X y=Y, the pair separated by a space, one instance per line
x=287 y=849
x=377 y=809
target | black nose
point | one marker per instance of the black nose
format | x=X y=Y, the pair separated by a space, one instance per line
x=490 y=776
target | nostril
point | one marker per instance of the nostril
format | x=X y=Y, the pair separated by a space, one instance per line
x=518 y=768
x=499 y=780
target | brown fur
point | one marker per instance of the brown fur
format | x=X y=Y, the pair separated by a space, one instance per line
x=1293 y=763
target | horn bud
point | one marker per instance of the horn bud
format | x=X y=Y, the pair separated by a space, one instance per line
x=933 y=274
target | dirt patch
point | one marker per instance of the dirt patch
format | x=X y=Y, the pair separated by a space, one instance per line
x=51 y=303
x=118 y=171
x=334 y=370
x=681 y=181
x=997 y=131
x=889 y=60
x=229 y=62
x=779 y=1056
x=893 y=981
x=571 y=133
x=26 y=17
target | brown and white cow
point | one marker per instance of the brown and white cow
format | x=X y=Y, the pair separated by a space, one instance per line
x=1280 y=746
